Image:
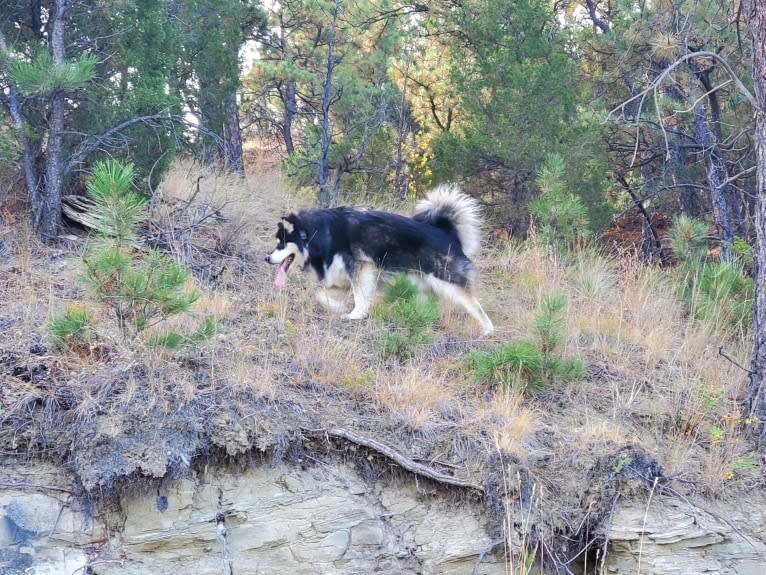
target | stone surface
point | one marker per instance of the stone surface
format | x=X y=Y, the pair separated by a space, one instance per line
x=43 y=528
x=676 y=537
x=322 y=520
x=325 y=520
x=35 y=513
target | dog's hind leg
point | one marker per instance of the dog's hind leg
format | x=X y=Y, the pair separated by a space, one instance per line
x=328 y=299
x=462 y=297
x=364 y=284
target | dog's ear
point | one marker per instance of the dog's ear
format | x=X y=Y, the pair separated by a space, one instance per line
x=295 y=221
x=292 y=219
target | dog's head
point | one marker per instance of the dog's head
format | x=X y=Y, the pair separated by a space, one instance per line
x=292 y=247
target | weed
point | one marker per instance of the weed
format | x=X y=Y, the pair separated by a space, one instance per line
x=72 y=328
x=716 y=434
x=622 y=463
x=530 y=364
x=561 y=216
x=357 y=381
x=746 y=463
x=409 y=318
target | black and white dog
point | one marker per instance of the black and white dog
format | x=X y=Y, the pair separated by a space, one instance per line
x=350 y=249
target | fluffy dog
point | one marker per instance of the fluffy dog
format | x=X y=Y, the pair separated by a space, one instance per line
x=350 y=249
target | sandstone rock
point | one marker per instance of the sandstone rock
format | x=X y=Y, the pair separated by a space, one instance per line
x=35 y=513
x=676 y=537
x=326 y=520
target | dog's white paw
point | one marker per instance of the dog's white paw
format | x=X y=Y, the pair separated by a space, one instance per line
x=355 y=314
x=327 y=300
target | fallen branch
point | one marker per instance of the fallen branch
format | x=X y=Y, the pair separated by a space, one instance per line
x=401 y=460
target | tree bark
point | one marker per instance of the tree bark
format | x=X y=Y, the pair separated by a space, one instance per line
x=717 y=150
x=291 y=108
x=289 y=95
x=31 y=177
x=755 y=14
x=717 y=176
x=324 y=168
x=47 y=215
x=233 y=138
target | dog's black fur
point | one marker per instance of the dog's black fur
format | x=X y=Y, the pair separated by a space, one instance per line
x=396 y=244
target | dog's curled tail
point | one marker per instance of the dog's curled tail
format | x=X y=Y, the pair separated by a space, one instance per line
x=455 y=212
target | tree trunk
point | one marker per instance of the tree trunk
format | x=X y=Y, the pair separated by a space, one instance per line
x=291 y=108
x=31 y=177
x=233 y=138
x=48 y=214
x=755 y=13
x=717 y=151
x=716 y=176
x=324 y=168
x=687 y=196
x=289 y=96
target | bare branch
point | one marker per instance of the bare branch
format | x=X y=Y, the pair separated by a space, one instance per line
x=705 y=95
x=92 y=143
x=654 y=89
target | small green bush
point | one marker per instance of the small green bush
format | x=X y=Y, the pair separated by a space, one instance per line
x=530 y=364
x=408 y=316
x=688 y=238
x=517 y=364
x=719 y=293
x=143 y=287
x=73 y=327
x=560 y=215
x=141 y=290
x=171 y=340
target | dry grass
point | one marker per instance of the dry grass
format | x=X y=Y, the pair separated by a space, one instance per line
x=280 y=364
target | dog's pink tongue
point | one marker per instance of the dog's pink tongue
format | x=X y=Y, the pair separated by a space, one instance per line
x=281 y=278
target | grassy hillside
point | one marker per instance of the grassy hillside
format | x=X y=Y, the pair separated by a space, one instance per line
x=658 y=406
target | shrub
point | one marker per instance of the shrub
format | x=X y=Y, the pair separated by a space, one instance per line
x=720 y=293
x=530 y=364
x=172 y=340
x=408 y=316
x=688 y=238
x=517 y=364
x=561 y=216
x=72 y=328
x=142 y=286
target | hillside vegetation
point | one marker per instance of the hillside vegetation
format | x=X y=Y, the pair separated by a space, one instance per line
x=601 y=373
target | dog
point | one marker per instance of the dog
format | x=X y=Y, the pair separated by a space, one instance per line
x=349 y=249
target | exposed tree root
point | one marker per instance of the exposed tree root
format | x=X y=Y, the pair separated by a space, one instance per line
x=401 y=460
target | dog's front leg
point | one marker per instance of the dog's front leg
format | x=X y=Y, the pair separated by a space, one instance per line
x=363 y=286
